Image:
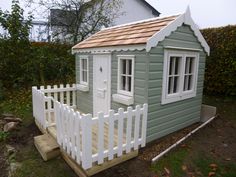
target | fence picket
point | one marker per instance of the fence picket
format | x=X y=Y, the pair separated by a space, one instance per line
x=73 y=96
x=144 y=124
x=77 y=134
x=86 y=141
x=100 y=137
x=61 y=94
x=128 y=129
x=68 y=95
x=111 y=135
x=120 y=131
x=136 y=127
x=55 y=94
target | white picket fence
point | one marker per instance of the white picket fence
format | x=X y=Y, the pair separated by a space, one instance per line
x=75 y=133
x=43 y=102
x=84 y=138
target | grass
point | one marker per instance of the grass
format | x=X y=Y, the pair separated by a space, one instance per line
x=197 y=161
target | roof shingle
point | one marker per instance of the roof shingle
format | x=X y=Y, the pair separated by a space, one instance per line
x=130 y=34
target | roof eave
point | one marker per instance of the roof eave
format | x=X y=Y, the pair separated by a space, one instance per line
x=110 y=49
x=182 y=19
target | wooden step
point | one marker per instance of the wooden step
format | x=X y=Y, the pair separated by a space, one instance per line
x=47 y=146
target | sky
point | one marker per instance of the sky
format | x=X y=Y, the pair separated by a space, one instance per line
x=205 y=13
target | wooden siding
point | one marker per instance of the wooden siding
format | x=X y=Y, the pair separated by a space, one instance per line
x=165 y=119
x=140 y=78
x=85 y=99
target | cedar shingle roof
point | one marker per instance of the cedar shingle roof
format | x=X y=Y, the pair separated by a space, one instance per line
x=130 y=34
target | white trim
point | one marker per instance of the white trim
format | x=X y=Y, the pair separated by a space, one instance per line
x=181 y=48
x=180 y=95
x=82 y=57
x=104 y=50
x=82 y=87
x=123 y=99
x=166 y=31
x=119 y=91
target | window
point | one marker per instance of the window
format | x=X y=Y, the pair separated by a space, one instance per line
x=125 y=75
x=179 y=75
x=84 y=74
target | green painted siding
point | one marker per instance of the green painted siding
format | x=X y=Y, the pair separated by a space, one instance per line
x=165 y=119
x=140 y=78
x=85 y=99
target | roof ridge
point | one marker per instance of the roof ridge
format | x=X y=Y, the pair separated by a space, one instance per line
x=141 y=21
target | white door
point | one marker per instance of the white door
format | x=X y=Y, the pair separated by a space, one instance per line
x=101 y=83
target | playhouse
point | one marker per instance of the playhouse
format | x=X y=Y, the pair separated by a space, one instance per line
x=134 y=83
x=160 y=62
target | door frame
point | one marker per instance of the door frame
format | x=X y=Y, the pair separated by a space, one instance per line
x=108 y=81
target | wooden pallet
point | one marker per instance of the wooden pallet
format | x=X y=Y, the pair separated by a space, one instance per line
x=47 y=146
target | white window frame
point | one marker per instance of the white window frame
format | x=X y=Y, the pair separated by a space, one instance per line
x=119 y=90
x=81 y=70
x=181 y=94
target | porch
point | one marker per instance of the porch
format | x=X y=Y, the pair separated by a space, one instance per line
x=88 y=144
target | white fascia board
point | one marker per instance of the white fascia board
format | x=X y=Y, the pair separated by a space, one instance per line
x=166 y=31
x=110 y=49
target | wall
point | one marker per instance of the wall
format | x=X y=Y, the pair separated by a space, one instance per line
x=140 y=78
x=85 y=99
x=165 y=119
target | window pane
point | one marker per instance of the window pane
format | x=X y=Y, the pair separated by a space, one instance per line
x=129 y=67
x=129 y=84
x=123 y=66
x=187 y=66
x=175 y=88
x=123 y=82
x=170 y=85
x=177 y=63
x=85 y=64
x=185 y=82
x=190 y=80
x=191 y=65
x=171 y=65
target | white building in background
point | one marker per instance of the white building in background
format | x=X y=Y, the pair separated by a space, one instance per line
x=135 y=10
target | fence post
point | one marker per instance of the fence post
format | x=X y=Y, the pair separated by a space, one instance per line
x=129 y=128
x=86 y=141
x=120 y=131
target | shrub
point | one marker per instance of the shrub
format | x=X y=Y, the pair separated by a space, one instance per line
x=220 y=76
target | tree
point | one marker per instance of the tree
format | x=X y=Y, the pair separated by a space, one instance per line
x=77 y=19
x=15 y=46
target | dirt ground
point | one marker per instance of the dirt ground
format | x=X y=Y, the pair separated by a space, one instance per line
x=217 y=140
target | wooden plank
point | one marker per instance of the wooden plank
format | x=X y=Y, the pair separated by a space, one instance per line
x=77 y=168
x=55 y=94
x=68 y=95
x=108 y=164
x=47 y=146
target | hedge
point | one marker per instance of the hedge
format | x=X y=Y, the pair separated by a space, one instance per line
x=35 y=64
x=220 y=76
